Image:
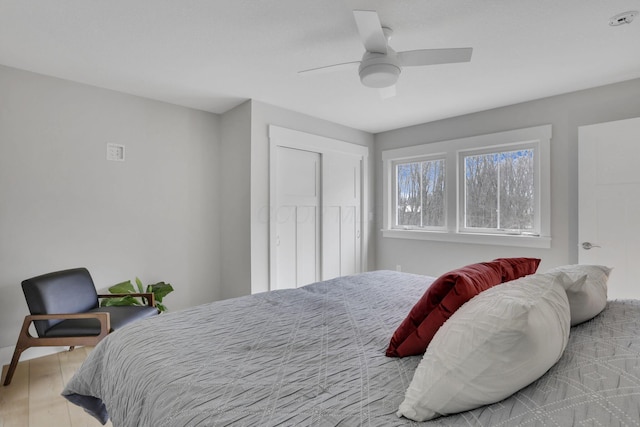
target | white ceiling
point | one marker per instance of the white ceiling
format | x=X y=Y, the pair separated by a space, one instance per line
x=213 y=55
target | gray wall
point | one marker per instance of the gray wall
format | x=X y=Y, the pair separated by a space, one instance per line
x=63 y=205
x=566 y=113
x=235 y=211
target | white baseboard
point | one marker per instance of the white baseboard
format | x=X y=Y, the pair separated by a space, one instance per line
x=6 y=353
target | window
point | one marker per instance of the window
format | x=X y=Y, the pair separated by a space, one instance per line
x=499 y=191
x=489 y=189
x=419 y=195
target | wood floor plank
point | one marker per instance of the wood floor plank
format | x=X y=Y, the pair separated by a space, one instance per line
x=45 y=385
x=14 y=398
x=33 y=398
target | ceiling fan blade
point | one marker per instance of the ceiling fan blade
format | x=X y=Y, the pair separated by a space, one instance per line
x=434 y=56
x=370 y=30
x=387 y=92
x=331 y=68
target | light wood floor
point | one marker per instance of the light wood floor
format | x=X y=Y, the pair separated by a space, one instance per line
x=33 y=397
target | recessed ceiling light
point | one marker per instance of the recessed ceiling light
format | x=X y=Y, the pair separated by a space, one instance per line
x=623 y=18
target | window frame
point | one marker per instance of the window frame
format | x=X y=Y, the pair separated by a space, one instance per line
x=539 y=136
x=394 y=201
x=502 y=148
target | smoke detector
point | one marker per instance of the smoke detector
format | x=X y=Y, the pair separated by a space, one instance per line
x=623 y=18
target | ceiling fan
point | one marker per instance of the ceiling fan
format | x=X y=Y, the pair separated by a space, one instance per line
x=380 y=65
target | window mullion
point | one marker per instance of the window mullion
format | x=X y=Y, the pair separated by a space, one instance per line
x=421 y=195
x=498 y=197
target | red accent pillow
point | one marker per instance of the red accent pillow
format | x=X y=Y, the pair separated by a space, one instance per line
x=439 y=302
x=515 y=268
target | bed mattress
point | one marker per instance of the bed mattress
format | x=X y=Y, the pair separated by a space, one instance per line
x=315 y=356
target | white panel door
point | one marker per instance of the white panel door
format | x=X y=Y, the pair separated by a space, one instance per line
x=297 y=220
x=341 y=223
x=610 y=202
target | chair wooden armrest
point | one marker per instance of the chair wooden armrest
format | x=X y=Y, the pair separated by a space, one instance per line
x=149 y=297
x=103 y=317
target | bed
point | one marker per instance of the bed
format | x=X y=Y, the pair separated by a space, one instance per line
x=315 y=356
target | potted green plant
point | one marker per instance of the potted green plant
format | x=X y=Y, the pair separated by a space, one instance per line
x=159 y=291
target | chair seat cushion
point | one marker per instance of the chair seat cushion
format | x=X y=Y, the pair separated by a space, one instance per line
x=120 y=316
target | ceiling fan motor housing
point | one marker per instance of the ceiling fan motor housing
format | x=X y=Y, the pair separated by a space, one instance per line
x=379 y=70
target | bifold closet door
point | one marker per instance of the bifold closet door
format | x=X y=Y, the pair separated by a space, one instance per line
x=297 y=218
x=341 y=221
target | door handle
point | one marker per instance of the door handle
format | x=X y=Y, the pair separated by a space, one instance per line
x=588 y=245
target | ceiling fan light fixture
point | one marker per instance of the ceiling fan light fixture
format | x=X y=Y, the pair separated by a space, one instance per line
x=381 y=65
x=379 y=75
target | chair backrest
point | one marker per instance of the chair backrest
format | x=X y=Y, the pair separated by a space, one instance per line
x=67 y=291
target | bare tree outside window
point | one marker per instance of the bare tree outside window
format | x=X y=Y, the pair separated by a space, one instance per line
x=420 y=194
x=500 y=190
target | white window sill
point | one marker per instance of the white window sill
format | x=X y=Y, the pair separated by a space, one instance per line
x=473 y=238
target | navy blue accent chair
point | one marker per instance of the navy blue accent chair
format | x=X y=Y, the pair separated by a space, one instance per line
x=65 y=311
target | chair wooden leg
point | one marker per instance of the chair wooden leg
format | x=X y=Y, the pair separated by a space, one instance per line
x=13 y=366
x=21 y=346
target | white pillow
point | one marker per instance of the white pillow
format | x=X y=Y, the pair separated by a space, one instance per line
x=497 y=343
x=588 y=295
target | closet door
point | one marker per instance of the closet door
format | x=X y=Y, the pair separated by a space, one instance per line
x=297 y=219
x=341 y=221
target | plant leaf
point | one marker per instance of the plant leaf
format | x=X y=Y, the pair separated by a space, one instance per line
x=108 y=302
x=160 y=290
x=161 y=307
x=122 y=288
x=140 y=286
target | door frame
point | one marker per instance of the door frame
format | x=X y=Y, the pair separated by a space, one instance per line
x=289 y=138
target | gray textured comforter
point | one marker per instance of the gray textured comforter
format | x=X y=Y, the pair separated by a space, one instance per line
x=314 y=356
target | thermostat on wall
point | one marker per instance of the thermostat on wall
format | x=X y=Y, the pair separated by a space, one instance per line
x=115 y=152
